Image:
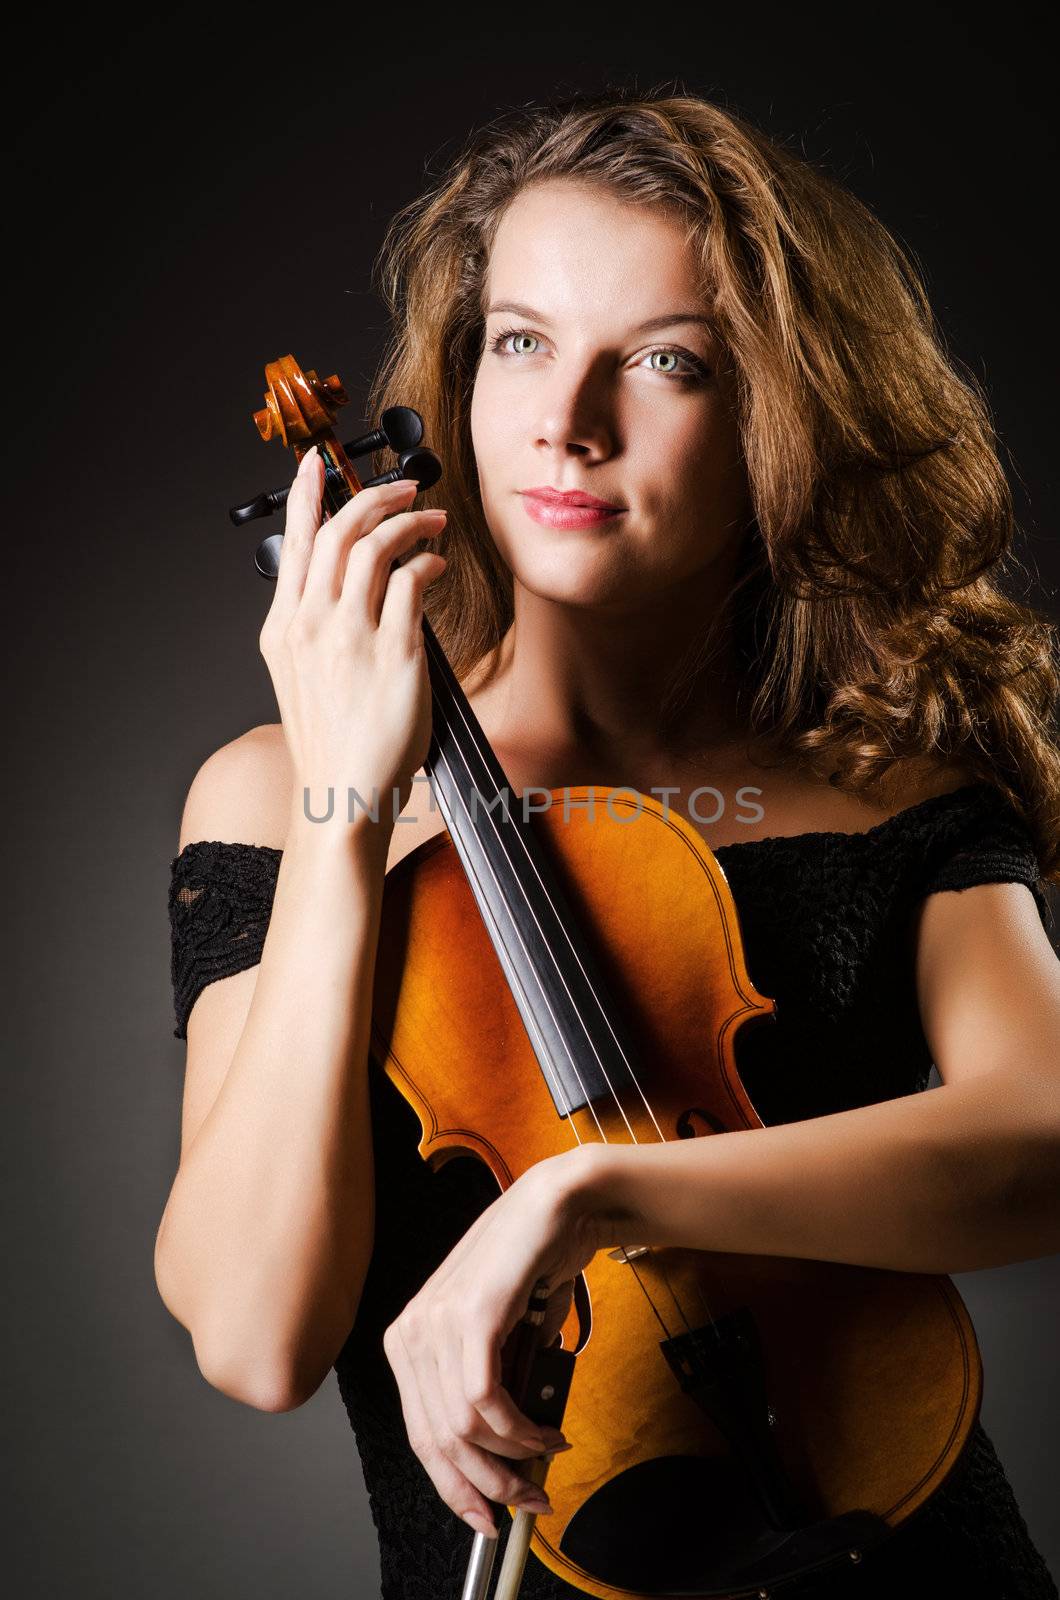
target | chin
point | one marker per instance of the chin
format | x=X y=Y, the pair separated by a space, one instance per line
x=570 y=566
x=561 y=577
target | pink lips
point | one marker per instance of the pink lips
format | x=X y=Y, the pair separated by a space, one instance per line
x=573 y=509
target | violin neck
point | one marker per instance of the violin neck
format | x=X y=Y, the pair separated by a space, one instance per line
x=570 y=1018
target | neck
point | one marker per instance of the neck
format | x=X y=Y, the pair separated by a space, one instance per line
x=598 y=681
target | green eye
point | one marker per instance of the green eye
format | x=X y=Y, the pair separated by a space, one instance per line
x=670 y=358
x=497 y=344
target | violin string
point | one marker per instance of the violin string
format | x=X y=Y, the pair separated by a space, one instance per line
x=570 y=1056
x=570 y=945
x=655 y=1260
x=550 y=1070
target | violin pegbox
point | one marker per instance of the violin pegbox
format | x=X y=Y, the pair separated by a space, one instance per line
x=300 y=410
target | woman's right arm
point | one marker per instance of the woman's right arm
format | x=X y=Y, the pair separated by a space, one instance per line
x=266 y=1236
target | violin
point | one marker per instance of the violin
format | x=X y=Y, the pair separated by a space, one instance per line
x=575 y=975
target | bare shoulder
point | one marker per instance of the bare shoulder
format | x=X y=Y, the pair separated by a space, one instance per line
x=800 y=797
x=242 y=795
x=923 y=778
x=987 y=977
x=242 y=792
x=988 y=983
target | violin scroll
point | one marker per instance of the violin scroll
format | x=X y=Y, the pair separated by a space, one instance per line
x=298 y=405
x=300 y=409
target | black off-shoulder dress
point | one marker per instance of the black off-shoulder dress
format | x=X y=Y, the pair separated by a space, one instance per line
x=824 y=918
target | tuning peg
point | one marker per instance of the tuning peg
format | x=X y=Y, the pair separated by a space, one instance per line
x=423 y=465
x=267 y=556
x=263 y=505
x=400 y=429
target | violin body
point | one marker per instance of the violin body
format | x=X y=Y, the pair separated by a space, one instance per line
x=860 y=1386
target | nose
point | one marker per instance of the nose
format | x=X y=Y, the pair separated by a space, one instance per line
x=575 y=417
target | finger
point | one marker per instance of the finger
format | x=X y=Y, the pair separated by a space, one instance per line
x=481 y=1374
x=402 y=610
x=300 y=528
x=484 y=1389
x=556 y=1311
x=303 y=514
x=464 y=1419
x=494 y=1476
x=362 y=513
x=371 y=558
x=491 y=1475
x=458 y=1493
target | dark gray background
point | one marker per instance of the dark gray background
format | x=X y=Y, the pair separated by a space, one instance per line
x=193 y=198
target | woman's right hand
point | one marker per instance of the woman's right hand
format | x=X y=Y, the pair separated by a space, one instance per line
x=343 y=642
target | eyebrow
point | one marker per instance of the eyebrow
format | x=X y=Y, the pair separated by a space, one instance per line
x=668 y=320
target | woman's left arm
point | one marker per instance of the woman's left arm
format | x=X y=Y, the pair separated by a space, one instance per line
x=962 y=1177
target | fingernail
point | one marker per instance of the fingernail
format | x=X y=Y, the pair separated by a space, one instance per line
x=433 y=513
x=558 y=1449
x=480 y=1524
x=540 y=1508
x=310 y=453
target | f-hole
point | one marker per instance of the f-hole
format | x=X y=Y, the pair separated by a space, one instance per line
x=695 y=1122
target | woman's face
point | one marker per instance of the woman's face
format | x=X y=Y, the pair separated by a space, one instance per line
x=583 y=395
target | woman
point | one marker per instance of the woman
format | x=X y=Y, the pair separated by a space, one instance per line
x=788 y=590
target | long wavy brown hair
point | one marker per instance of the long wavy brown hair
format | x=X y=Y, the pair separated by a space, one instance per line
x=869 y=613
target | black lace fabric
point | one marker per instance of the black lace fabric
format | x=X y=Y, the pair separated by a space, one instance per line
x=825 y=920
x=220 y=901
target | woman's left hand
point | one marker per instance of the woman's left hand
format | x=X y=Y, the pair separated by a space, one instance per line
x=445 y=1347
